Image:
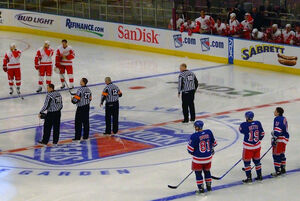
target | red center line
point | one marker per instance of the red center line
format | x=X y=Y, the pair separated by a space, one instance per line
x=139 y=128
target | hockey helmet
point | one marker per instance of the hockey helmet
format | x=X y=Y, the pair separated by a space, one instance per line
x=249 y=115
x=199 y=124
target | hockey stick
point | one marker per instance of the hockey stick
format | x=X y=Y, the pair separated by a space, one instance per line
x=174 y=187
x=260 y=157
x=219 y=178
x=69 y=89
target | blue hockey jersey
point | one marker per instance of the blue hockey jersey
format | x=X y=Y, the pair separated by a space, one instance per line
x=280 y=129
x=201 y=145
x=253 y=133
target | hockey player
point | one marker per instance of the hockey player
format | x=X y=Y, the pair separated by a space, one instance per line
x=288 y=35
x=234 y=25
x=205 y=23
x=220 y=28
x=201 y=146
x=297 y=35
x=274 y=34
x=188 y=26
x=179 y=22
x=43 y=63
x=63 y=61
x=253 y=134
x=11 y=65
x=279 y=140
x=258 y=35
x=247 y=26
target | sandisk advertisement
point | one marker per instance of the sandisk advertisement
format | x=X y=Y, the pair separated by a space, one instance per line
x=139 y=34
x=266 y=53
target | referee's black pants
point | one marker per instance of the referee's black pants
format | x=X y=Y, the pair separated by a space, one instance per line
x=112 y=110
x=52 y=121
x=188 y=105
x=82 y=119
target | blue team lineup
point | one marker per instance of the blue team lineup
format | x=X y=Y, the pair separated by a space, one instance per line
x=201 y=144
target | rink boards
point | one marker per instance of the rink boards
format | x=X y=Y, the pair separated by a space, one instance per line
x=277 y=57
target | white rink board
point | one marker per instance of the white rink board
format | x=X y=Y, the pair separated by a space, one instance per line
x=264 y=53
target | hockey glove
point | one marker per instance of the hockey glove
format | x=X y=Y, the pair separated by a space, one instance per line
x=43 y=115
x=212 y=151
x=4 y=68
x=37 y=67
x=273 y=141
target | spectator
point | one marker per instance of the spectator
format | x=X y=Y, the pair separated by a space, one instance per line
x=234 y=25
x=257 y=35
x=288 y=35
x=220 y=28
x=179 y=22
x=274 y=34
x=205 y=23
x=247 y=26
x=188 y=26
x=297 y=35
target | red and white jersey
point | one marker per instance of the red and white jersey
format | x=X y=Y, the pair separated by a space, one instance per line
x=44 y=57
x=221 y=29
x=179 y=22
x=12 y=59
x=297 y=38
x=205 y=23
x=67 y=52
x=234 y=26
x=185 y=26
x=288 y=37
x=260 y=36
x=247 y=25
x=277 y=36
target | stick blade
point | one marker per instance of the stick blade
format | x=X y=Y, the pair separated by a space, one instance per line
x=172 y=187
x=216 y=178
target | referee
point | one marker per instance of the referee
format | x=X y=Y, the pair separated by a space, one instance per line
x=53 y=104
x=82 y=99
x=111 y=94
x=187 y=86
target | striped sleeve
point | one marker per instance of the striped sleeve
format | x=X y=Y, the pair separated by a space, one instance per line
x=46 y=104
x=190 y=146
x=179 y=84
x=104 y=95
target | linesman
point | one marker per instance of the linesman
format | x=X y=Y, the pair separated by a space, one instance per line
x=111 y=94
x=53 y=104
x=187 y=86
x=82 y=100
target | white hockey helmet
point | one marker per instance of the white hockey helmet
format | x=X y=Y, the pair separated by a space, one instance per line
x=232 y=15
x=255 y=31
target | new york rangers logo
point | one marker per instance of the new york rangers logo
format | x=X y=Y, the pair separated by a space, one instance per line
x=178 y=42
x=205 y=46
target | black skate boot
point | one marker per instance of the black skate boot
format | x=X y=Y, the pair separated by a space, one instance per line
x=200 y=191
x=11 y=90
x=39 y=89
x=18 y=91
x=208 y=187
x=259 y=177
x=275 y=174
x=283 y=171
x=247 y=181
x=62 y=86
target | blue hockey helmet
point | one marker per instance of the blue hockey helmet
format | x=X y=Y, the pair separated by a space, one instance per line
x=249 y=115
x=199 y=124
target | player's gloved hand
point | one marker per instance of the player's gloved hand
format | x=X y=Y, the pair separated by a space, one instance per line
x=272 y=133
x=4 y=68
x=57 y=65
x=212 y=151
x=273 y=141
x=190 y=32
x=37 y=67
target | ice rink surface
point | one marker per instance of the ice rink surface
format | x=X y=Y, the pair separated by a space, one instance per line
x=150 y=151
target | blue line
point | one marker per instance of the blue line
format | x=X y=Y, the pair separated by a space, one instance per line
x=220 y=187
x=124 y=80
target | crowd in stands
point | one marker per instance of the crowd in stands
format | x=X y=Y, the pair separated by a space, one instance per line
x=245 y=28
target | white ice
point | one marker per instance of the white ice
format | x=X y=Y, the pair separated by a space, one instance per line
x=151 y=170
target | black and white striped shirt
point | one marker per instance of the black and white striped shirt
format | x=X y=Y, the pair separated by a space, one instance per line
x=111 y=93
x=187 y=81
x=83 y=96
x=53 y=102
